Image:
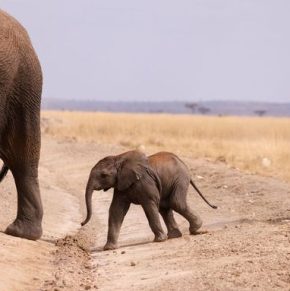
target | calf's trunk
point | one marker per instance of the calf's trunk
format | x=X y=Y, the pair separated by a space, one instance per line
x=89 y=193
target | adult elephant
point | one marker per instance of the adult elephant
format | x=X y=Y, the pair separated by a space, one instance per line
x=20 y=95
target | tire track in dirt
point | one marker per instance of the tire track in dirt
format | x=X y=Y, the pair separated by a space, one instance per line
x=71 y=267
x=69 y=167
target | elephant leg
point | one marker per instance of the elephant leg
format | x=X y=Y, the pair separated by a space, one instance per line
x=118 y=209
x=152 y=214
x=29 y=207
x=22 y=150
x=179 y=204
x=172 y=227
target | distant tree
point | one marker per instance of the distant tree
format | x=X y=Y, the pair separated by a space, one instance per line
x=192 y=106
x=156 y=111
x=203 y=110
x=260 y=112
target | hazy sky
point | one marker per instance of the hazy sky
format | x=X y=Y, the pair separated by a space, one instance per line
x=160 y=49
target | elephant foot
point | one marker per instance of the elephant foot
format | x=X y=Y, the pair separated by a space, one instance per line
x=160 y=237
x=110 y=246
x=195 y=226
x=174 y=233
x=24 y=229
x=195 y=230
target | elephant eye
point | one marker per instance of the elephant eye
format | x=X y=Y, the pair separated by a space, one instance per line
x=104 y=175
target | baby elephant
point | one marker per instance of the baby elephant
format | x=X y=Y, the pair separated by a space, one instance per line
x=159 y=183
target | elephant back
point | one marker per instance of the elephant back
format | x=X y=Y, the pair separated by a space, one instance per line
x=20 y=70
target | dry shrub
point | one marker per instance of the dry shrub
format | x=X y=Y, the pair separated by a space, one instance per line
x=244 y=142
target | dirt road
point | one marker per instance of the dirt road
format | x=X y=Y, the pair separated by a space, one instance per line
x=247 y=246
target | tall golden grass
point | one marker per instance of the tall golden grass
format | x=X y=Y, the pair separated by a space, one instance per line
x=254 y=144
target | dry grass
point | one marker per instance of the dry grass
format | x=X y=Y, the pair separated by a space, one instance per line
x=255 y=144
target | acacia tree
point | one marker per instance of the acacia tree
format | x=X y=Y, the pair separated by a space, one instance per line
x=192 y=106
x=260 y=112
x=203 y=110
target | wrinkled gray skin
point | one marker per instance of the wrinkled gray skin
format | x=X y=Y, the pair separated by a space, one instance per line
x=20 y=92
x=158 y=183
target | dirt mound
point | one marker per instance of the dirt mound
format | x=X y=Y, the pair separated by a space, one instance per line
x=73 y=268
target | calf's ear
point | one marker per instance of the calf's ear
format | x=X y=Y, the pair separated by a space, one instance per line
x=128 y=174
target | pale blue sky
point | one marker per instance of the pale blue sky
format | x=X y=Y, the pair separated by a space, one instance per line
x=160 y=49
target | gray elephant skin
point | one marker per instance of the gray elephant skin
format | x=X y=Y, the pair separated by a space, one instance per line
x=159 y=183
x=20 y=97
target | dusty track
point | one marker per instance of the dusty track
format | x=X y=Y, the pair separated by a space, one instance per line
x=247 y=247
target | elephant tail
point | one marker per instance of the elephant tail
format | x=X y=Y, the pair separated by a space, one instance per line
x=3 y=172
x=197 y=190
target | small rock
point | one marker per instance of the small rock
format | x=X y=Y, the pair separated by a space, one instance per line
x=87 y=287
x=266 y=162
x=133 y=264
x=123 y=252
x=221 y=159
x=52 y=282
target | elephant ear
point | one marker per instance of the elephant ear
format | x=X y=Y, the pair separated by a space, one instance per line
x=128 y=174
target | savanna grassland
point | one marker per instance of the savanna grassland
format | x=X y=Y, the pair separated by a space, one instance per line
x=257 y=145
x=246 y=246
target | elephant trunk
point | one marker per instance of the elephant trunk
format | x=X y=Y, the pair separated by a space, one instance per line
x=89 y=193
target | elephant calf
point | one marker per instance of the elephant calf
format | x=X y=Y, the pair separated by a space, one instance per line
x=159 y=183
